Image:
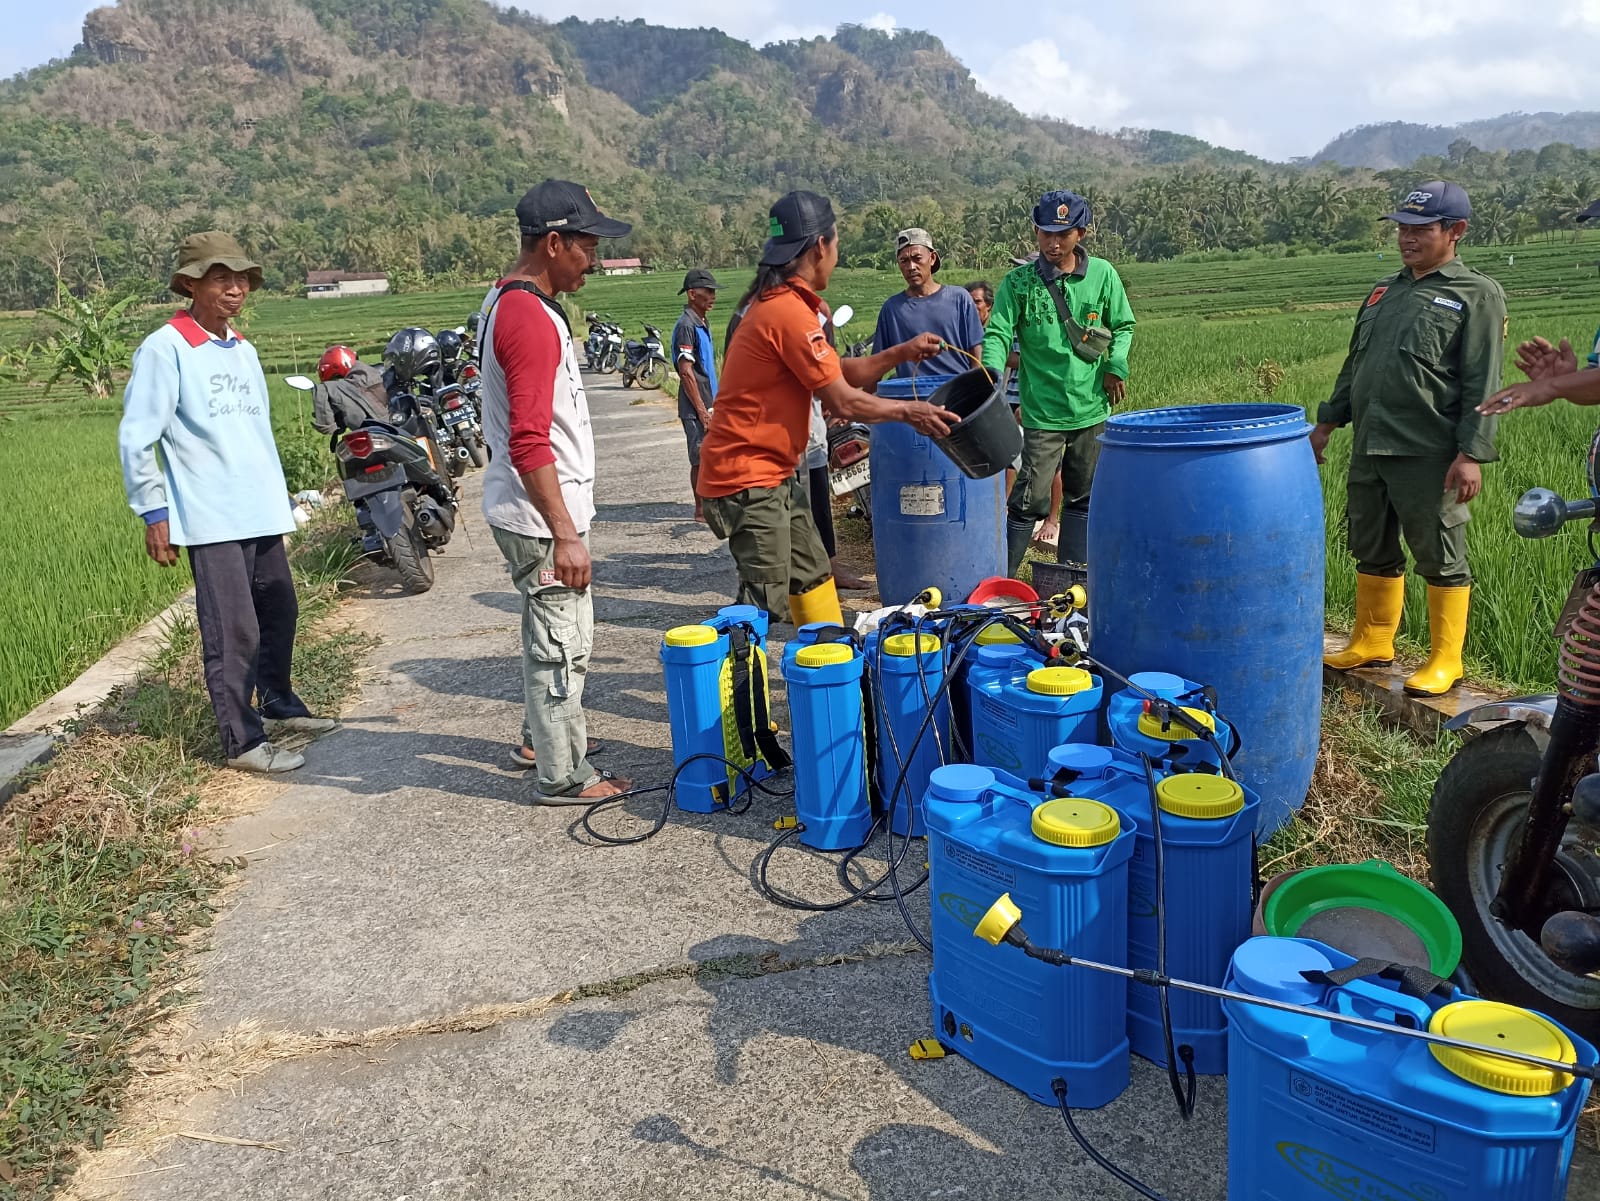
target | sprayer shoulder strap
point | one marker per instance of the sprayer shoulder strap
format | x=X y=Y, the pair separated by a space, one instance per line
x=750 y=714
x=1413 y=981
x=523 y=285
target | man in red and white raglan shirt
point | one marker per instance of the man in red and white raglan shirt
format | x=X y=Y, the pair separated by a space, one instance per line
x=538 y=490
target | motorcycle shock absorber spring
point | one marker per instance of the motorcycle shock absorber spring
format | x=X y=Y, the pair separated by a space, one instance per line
x=1579 y=664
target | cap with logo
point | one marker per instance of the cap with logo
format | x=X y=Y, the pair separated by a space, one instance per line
x=1436 y=200
x=699 y=277
x=794 y=220
x=559 y=206
x=1061 y=210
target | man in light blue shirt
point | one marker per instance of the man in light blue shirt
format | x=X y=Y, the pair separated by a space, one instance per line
x=201 y=468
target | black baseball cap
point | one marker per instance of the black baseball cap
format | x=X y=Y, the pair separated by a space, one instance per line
x=559 y=206
x=1590 y=213
x=699 y=277
x=1436 y=200
x=795 y=220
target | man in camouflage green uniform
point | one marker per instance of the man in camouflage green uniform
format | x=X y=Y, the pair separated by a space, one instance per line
x=1425 y=353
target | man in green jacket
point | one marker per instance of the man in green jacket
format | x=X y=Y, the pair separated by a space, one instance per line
x=1073 y=327
x=1424 y=354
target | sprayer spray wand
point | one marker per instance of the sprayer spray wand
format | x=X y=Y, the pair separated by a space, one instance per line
x=1003 y=924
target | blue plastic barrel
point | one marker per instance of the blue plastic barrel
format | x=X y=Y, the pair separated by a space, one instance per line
x=907 y=669
x=1206 y=541
x=1064 y=863
x=1317 y=1109
x=831 y=800
x=931 y=525
x=1019 y=715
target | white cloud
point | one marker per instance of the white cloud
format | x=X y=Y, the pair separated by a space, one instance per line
x=883 y=22
x=1037 y=78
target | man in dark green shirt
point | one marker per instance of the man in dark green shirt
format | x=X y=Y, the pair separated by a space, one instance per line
x=1425 y=352
x=1073 y=327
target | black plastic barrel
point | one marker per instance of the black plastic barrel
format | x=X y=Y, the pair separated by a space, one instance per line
x=986 y=437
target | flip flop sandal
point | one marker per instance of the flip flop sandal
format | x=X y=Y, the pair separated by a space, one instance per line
x=518 y=759
x=573 y=798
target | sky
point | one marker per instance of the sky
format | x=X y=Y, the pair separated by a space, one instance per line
x=1271 y=78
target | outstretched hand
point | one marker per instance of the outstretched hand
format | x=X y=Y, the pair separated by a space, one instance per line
x=1538 y=359
x=1518 y=396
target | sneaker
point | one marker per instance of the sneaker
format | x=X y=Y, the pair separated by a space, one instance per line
x=303 y=723
x=264 y=757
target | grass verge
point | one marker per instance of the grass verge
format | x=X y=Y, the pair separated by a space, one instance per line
x=104 y=879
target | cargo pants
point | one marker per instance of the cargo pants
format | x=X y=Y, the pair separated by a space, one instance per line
x=1074 y=453
x=1393 y=495
x=774 y=543
x=557 y=634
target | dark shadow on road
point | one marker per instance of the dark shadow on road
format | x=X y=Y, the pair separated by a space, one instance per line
x=506 y=602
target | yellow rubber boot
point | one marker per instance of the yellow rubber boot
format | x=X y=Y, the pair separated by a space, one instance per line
x=1447 y=634
x=816 y=604
x=1380 y=601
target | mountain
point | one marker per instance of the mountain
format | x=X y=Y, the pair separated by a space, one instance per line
x=1399 y=143
x=381 y=133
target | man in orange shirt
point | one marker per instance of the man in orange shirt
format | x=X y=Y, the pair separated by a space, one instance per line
x=778 y=358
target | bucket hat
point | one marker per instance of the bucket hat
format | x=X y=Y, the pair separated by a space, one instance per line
x=200 y=252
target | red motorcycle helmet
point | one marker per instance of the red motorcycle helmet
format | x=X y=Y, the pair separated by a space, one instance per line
x=335 y=363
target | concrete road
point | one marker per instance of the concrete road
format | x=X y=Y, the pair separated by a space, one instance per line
x=666 y=1032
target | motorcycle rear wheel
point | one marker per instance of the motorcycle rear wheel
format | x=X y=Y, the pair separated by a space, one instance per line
x=409 y=554
x=609 y=362
x=476 y=451
x=1474 y=818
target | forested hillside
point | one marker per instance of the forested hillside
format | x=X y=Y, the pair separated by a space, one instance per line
x=1396 y=143
x=396 y=135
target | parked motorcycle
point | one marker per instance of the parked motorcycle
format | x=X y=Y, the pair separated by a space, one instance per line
x=1514 y=824
x=405 y=506
x=594 y=345
x=462 y=421
x=415 y=364
x=849 y=445
x=644 y=362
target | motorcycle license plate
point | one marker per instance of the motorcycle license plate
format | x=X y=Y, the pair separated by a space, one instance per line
x=457 y=416
x=1581 y=588
x=850 y=478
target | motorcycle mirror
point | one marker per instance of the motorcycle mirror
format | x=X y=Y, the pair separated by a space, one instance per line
x=1541 y=513
x=300 y=383
x=842 y=315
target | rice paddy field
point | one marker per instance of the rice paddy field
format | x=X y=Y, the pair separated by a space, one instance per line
x=74 y=577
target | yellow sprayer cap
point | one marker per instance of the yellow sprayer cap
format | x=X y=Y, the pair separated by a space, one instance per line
x=823 y=654
x=996 y=635
x=1197 y=795
x=904 y=646
x=691 y=636
x=1075 y=822
x=1059 y=681
x=994 y=925
x=1510 y=1028
x=1150 y=726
